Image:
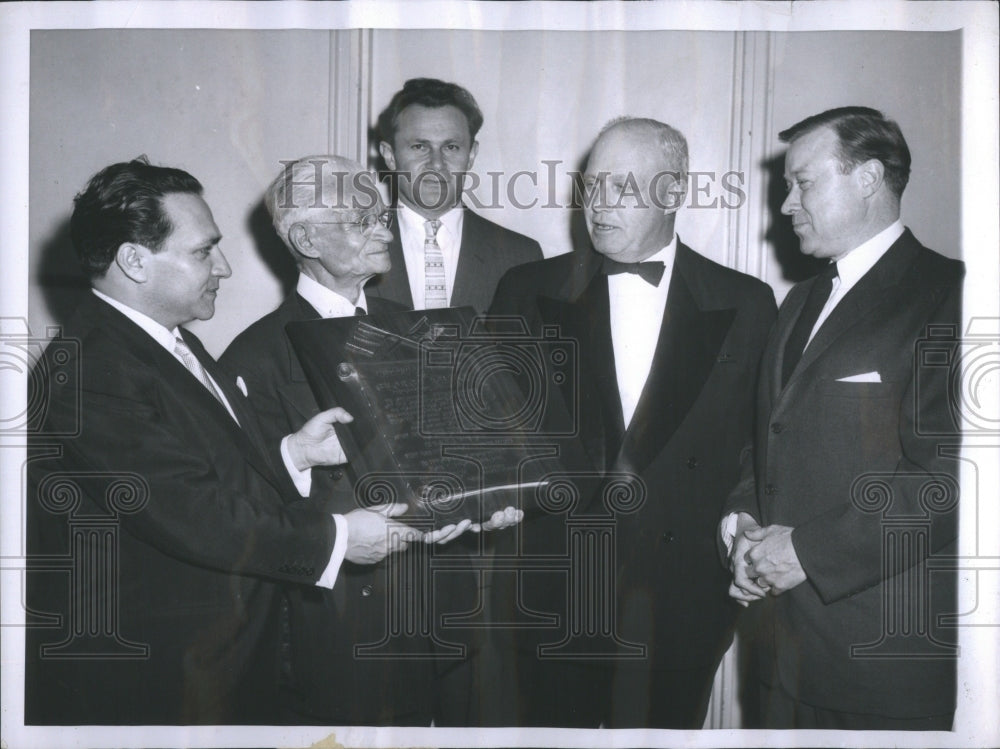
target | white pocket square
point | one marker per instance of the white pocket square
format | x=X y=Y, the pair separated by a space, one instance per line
x=242 y=386
x=866 y=377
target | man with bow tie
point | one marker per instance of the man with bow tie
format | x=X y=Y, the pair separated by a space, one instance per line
x=668 y=345
x=852 y=485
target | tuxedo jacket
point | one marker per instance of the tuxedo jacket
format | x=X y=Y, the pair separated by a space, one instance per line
x=172 y=618
x=684 y=442
x=847 y=454
x=486 y=252
x=328 y=682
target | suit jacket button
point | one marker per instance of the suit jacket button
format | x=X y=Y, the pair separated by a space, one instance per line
x=770 y=489
x=366 y=590
x=668 y=537
x=338 y=473
x=777 y=427
x=692 y=462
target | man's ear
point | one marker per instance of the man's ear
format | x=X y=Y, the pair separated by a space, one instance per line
x=388 y=155
x=871 y=176
x=671 y=190
x=473 y=150
x=131 y=260
x=301 y=240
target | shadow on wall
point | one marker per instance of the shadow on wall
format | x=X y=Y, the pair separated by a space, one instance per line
x=62 y=283
x=795 y=266
x=271 y=249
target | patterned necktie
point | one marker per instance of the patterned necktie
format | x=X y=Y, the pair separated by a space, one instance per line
x=799 y=337
x=435 y=291
x=195 y=368
x=650 y=271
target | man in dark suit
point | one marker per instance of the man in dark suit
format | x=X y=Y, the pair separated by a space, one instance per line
x=849 y=492
x=338 y=242
x=668 y=348
x=443 y=255
x=149 y=474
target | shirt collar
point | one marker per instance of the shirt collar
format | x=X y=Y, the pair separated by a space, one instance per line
x=160 y=334
x=860 y=260
x=665 y=255
x=414 y=222
x=326 y=301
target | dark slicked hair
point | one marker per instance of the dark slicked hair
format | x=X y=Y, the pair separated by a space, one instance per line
x=864 y=134
x=123 y=203
x=429 y=92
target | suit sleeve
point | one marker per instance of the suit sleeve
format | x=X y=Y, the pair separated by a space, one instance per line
x=206 y=503
x=843 y=551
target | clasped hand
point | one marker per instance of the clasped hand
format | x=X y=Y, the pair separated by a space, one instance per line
x=763 y=560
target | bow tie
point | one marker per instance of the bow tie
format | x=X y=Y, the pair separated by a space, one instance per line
x=650 y=271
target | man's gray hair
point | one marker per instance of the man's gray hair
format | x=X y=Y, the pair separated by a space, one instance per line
x=311 y=184
x=671 y=141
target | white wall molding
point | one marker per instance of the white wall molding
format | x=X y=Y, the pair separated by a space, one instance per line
x=350 y=93
x=752 y=127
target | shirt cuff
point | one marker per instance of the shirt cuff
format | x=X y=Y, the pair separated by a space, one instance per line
x=301 y=479
x=727 y=528
x=329 y=576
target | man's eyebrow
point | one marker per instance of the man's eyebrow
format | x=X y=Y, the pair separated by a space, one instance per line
x=210 y=242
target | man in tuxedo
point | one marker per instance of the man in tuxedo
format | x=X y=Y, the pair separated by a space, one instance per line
x=328 y=213
x=849 y=490
x=158 y=523
x=443 y=255
x=668 y=345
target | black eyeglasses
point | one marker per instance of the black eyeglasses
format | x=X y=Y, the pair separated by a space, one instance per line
x=367 y=222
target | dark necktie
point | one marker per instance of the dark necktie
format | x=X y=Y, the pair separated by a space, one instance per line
x=360 y=312
x=818 y=296
x=650 y=271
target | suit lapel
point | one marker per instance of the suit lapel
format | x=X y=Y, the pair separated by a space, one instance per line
x=396 y=283
x=472 y=257
x=295 y=388
x=585 y=320
x=686 y=351
x=857 y=304
x=247 y=433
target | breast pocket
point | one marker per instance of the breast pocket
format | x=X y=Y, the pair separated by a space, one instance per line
x=866 y=415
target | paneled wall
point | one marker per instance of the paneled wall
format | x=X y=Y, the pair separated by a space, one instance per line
x=230 y=105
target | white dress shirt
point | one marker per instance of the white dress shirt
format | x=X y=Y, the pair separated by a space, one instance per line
x=854 y=265
x=167 y=339
x=164 y=337
x=636 y=315
x=327 y=302
x=412 y=236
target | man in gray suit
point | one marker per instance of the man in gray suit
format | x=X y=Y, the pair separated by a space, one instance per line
x=846 y=448
x=443 y=255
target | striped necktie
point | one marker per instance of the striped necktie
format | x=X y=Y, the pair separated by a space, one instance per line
x=435 y=290
x=195 y=368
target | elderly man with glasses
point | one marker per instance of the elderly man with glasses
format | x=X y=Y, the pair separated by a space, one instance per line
x=329 y=214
